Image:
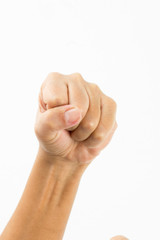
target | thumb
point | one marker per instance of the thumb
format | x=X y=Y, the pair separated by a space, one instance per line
x=58 y=118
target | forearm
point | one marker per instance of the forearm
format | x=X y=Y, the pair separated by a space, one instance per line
x=45 y=205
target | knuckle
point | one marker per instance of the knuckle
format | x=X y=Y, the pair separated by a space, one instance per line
x=55 y=101
x=88 y=125
x=99 y=136
x=93 y=90
x=113 y=107
x=77 y=76
x=95 y=87
x=111 y=103
x=114 y=104
x=77 y=136
x=53 y=75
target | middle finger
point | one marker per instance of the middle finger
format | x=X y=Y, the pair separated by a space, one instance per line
x=91 y=119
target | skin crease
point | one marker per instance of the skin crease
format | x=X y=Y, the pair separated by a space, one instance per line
x=66 y=149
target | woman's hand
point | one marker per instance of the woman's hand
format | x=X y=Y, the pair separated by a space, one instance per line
x=46 y=203
x=75 y=119
x=119 y=238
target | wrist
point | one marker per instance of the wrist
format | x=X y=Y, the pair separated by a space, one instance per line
x=45 y=205
x=60 y=183
x=61 y=164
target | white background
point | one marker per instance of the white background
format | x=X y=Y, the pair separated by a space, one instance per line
x=116 y=44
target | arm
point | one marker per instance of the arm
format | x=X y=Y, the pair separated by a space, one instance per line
x=74 y=122
x=45 y=205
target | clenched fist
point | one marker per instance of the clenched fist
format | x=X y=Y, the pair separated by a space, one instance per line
x=75 y=119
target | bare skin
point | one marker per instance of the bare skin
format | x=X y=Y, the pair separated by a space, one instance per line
x=119 y=238
x=66 y=148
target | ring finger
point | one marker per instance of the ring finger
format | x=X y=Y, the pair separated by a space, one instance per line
x=106 y=123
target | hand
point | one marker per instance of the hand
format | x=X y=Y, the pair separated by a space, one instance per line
x=119 y=238
x=75 y=119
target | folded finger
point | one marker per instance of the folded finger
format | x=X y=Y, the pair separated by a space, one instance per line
x=106 y=123
x=77 y=94
x=54 y=91
x=91 y=119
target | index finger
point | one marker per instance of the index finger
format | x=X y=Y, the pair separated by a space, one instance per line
x=54 y=91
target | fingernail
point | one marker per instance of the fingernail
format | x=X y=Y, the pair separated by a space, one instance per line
x=72 y=116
